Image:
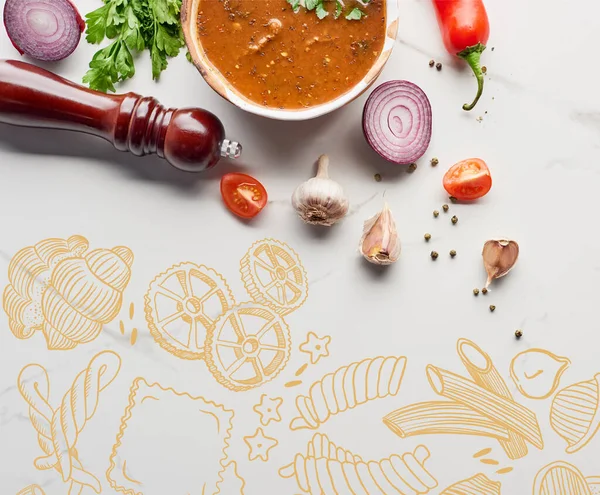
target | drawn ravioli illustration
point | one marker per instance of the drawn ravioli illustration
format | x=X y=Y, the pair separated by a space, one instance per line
x=182 y=304
x=171 y=443
x=68 y=293
x=327 y=469
x=274 y=276
x=192 y=314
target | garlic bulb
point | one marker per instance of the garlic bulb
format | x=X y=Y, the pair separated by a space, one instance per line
x=320 y=200
x=380 y=243
x=499 y=257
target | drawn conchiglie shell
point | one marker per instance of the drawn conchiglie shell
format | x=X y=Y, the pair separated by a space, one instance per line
x=479 y=484
x=575 y=413
x=537 y=372
x=560 y=478
x=593 y=483
x=29 y=275
x=84 y=294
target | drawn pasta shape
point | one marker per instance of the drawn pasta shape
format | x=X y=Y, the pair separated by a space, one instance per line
x=248 y=346
x=593 y=483
x=274 y=276
x=29 y=275
x=575 y=413
x=560 y=478
x=481 y=368
x=182 y=304
x=442 y=417
x=331 y=470
x=348 y=387
x=507 y=413
x=58 y=429
x=479 y=484
x=32 y=490
x=84 y=295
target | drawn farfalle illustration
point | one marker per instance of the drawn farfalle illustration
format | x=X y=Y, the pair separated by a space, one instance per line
x=58 y=429
x=192 y=314
x=562 y=478
x=479 y=484
x=575 y=413
x=327 y=469
x=68 y=293
x=482 y=406
x=348 y=387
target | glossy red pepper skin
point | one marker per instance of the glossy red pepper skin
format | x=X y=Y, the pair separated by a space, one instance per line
x=465 y=29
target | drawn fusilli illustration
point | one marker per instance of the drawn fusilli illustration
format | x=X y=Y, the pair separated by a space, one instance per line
x=58 y=429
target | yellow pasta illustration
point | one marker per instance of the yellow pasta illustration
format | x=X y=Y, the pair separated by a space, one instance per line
x=29 y=274
x=479 y=484
x=182 y=304
x=327 y=469
x=348 y=387
x=483 y=372
x=274 y=276
x=316 y=347
x=482 y=406
x=537 y=372
x=32 y=490
x=58 y=429
x=593 y=483
x=68 y=294
x=259 y=445
x=575 y=413
x=560 y=478
x=230 y=482
x=193 y=434
x=247 y=346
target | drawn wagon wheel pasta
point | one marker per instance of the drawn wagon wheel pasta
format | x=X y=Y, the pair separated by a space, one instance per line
x=182 y=304
x=274 y=276
x=248 y=346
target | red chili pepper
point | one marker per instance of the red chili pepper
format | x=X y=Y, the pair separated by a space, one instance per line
x=465 y=29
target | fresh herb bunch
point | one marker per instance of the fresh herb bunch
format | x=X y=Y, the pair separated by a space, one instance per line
x=133 y=25
x=318 y=6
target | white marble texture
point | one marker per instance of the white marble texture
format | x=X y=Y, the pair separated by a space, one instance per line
x=539 y=133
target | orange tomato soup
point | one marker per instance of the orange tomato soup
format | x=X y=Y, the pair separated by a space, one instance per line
x=281 y=59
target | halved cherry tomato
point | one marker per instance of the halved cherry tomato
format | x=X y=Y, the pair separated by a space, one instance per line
x=243 y=195
x=469 y=179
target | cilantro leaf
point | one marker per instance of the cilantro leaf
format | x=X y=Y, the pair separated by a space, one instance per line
x=321 y=11
x=295 y=5
x=355 y=14
x=312 y=4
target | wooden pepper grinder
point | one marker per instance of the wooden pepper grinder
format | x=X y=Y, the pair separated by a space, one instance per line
x=190 y=139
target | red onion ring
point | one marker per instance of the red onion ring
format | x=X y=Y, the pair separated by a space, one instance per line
x=47 y=30
x=397 y=121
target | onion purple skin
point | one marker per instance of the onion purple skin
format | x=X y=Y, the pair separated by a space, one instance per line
x=408 y=100
x=27 y=41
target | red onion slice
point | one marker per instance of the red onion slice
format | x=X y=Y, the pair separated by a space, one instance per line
x=43 y=29
x=397 y=121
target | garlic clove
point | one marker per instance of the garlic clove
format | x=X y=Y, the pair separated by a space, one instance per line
x=499 y=257
x=380 y=243
x=320 y=200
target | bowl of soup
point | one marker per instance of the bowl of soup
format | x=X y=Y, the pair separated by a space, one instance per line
x=277 y=59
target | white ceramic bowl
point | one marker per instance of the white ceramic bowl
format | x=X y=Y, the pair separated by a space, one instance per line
x=189 y=16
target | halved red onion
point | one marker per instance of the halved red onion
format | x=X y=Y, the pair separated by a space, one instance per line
x=43 y=29
x=397 y=121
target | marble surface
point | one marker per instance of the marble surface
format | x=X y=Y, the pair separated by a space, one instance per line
x=539 y=131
